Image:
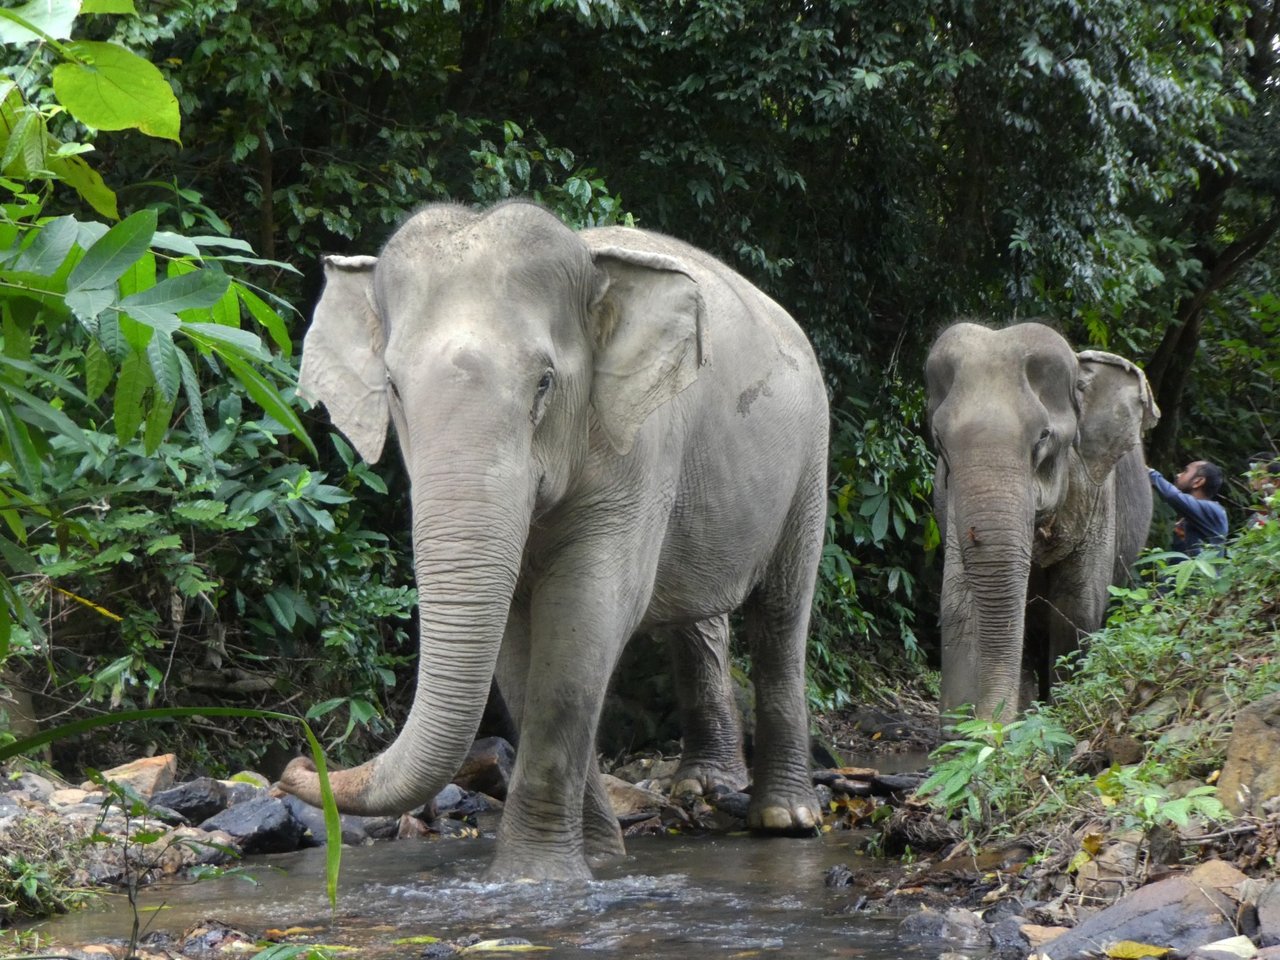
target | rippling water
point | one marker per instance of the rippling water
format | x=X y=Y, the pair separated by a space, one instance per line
x=671 y=897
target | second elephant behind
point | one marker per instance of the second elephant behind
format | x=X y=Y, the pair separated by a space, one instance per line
x=1042 y=492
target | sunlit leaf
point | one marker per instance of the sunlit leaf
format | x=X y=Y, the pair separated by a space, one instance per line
x=115 y=89
x=1132 y=950
x=52 y=18
x=114 y=253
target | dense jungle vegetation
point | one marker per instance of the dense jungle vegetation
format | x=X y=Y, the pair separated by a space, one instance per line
x=179 y=530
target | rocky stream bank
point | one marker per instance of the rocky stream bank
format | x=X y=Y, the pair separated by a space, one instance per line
x=1205 y=893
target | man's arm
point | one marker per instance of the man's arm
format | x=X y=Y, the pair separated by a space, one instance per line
x=1205 y=514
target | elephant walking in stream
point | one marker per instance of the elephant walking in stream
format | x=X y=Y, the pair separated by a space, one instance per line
x=1043 y=498
x=606 y=432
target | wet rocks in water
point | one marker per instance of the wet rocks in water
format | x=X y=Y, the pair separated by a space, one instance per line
x=488 y=767
x=262 y=825
x=1180 y=913
x=197 y=800
x=955 y=927
x=355 y=830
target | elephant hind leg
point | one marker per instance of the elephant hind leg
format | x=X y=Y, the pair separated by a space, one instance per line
x=777 y=616
x=710 y=728
x=601 y=833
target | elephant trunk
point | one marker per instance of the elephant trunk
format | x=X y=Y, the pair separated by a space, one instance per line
x=991 y=526
x=469 y=534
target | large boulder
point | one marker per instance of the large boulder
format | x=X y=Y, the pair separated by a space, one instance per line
x=144 y=777
x=488 y=767
x=264 y=825
x=1179 y=913
x=1251 y=775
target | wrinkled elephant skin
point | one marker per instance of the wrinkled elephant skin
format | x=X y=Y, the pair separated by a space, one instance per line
x=606 y=432
x=1043 y=499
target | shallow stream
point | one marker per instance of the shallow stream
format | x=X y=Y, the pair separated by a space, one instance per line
x=670 y=897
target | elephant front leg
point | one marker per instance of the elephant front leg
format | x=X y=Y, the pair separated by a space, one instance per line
x=782 y=797
x=557 y=812
x=710 y=728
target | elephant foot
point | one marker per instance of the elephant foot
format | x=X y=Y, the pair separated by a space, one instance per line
x=603 y=841
x=793 y=814
x=507 y=868
x=700 y=778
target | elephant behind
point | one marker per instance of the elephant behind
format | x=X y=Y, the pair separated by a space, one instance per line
x=606 y=432
x=1043 y=496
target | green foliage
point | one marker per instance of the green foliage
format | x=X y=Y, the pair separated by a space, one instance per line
x=881 y=537
x=1179 y=656
x=1140 y=796
x=990 y=775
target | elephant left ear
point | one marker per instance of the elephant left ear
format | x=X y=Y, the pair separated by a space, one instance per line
x=1116 y=408
x=648 y=325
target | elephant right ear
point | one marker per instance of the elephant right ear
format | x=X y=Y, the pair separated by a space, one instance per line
x=648 y=320
x=1116 y=407
x=342 y=363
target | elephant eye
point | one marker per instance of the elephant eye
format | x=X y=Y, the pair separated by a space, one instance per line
x=544 y=384
x=1045 y=434
x=540 y=398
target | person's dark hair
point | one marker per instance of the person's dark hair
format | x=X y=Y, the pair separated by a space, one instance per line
x=1212 y=474
x=1264 y=462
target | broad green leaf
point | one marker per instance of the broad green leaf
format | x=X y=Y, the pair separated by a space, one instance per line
x=25 y=153
x=87 y=305
x=226 y=312
x=200 y=288
x=108 y=6
x=281 y=608
x=200 y=510
x=110 y=336
x=195 y=404
x=49 y=250
x=16 y=447
x=115 y=89
x=266 y=397
x=84 y=180
x=175 y=242
x=163 y=356
x=98 y=370
x=223 y=339
x=49 y=18
x=38 y=412
x=131 y=387
x=231 y=243
x=141 y=276
x=18 y=559
x=114 y=253
x=160 y=414
x=270 y=319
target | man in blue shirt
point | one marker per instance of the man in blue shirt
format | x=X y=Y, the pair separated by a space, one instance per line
x=1201 y=519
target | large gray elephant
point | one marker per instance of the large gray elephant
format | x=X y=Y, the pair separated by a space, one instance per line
x=1042 y=495
x=606 y=432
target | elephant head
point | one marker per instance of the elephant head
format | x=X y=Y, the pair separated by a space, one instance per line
x=507 y=354
x=1022 y=424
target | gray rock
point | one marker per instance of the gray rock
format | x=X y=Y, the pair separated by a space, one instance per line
x=263 y=825
x=240 y=792
x=488 y=767
x=445 y=801
x=355 y=830
x=197 y=800
x=35 y=786
x=1269 y=915
x=954 y=927
x=1181 y=912
x=1233 y=948
x=1007 y=938
x=1251 y=774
